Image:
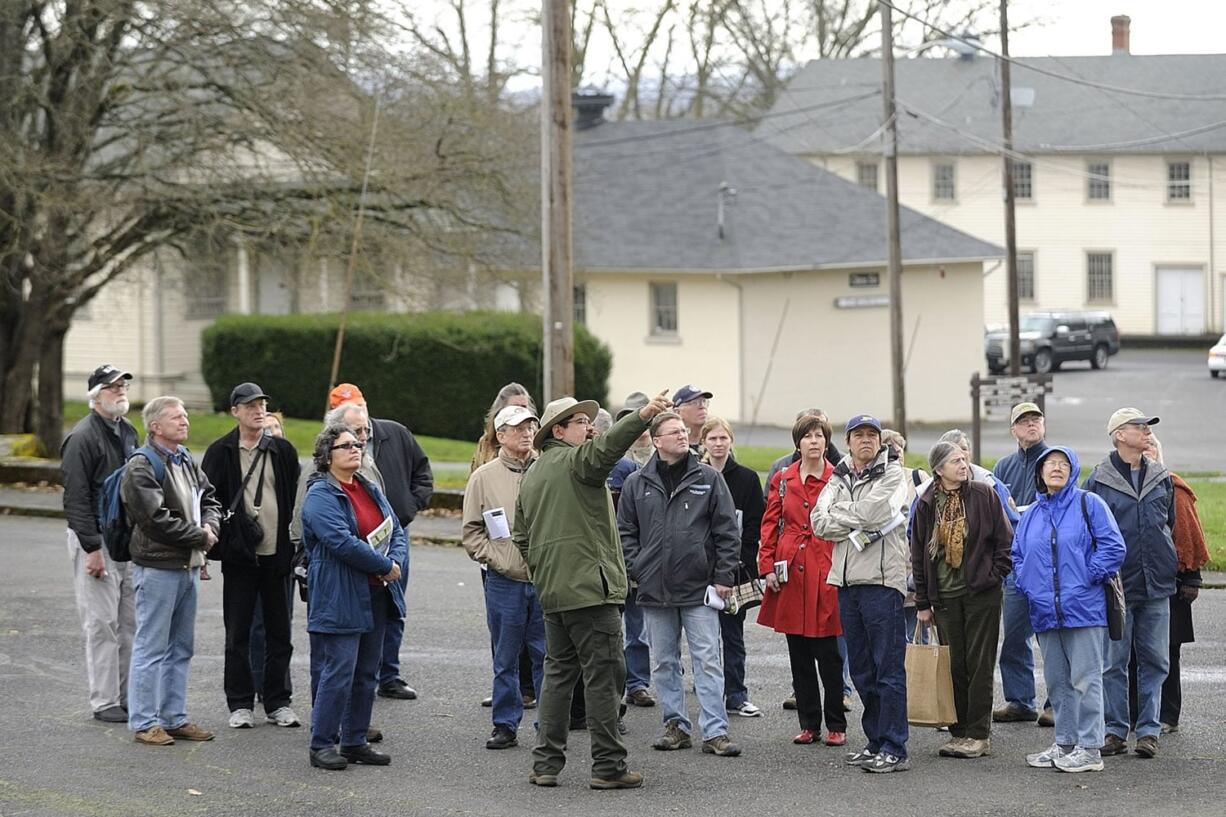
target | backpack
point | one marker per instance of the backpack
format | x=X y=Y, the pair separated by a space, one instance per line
x=112 y=520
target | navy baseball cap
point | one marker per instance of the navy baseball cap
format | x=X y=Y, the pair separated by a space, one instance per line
x=687 y=393
x=106 y=374
x=862 y=420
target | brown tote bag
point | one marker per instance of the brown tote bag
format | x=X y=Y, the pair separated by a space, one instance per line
x=930 y=684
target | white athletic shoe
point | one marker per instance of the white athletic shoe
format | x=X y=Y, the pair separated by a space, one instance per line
x=241 y=719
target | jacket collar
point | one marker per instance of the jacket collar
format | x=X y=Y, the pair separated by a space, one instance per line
x=1109 y=474
x=651 y=472
x=875 y=468
x=792 y=472
x=1029 y=454
x=514 y=465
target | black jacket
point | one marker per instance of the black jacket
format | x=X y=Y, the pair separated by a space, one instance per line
x=222 y=465
x=407 y=478
x=676 y=544
x=746 y=491
x=89 y=454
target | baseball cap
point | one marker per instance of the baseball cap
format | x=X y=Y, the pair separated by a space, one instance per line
x=862 y=420
x=245 y=393
x=635 y=400
x=687 y=393
x=1022 y=409
x=105 y=375
x=1126 y=416
x=345 y=393
x=513 y=416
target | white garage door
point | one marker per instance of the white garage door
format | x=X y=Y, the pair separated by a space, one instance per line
x=1181 y=301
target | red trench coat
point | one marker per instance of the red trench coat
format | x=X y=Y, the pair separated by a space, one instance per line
x=806 y=605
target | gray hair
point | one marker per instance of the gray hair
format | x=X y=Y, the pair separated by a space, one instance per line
x=891 y=437
x=155 y=408
x=324 y=442
x=603 y=421
x=336 y=416
x=941 y=454
x=958 y=437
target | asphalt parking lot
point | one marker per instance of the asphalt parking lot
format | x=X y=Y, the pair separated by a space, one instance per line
x=61 y=762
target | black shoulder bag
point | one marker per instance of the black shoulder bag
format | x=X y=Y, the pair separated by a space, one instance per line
x=1113 y=585
x=242 y=532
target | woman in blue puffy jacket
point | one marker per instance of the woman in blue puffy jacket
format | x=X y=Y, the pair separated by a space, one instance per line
x=1064 y=549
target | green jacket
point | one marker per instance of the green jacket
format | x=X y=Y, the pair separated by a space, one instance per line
x=564 y=521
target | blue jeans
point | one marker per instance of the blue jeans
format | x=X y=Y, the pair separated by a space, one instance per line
x=638 y=654
x=162 y=647
x=393 y=632
x=1073 y=669
x=515 y=619
x=1147 y=629
x=732 y=631
x=872 y=624
x=701 y=625
x=343 y=672
x=1016 y=659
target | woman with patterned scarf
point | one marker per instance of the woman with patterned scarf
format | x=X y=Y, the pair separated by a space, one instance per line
x=960 y=553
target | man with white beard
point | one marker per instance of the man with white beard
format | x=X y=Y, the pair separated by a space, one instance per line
x=99 y=444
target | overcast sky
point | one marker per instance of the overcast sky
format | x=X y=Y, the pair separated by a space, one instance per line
x=1083 y=27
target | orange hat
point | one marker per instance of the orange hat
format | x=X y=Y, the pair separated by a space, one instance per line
x=344 y=394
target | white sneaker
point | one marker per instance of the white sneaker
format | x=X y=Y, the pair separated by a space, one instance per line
x=1047 y=758
x=282 y=717
x=746 y=710
x=1081 y=760
x=241 y=719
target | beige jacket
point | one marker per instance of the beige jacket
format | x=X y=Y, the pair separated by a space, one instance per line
x=494 y=485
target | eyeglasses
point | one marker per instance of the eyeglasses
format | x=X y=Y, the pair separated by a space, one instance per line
x=579 y=421
x=681 y=432
x=349 y=446
x=121 y=386
x=701 y=402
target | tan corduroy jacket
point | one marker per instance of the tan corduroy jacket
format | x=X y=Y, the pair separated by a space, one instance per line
x=494 y=485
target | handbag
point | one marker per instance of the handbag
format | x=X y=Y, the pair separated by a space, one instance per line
x=241 y=531
x=1113 y=586
x=747 y=593
x=930 y=682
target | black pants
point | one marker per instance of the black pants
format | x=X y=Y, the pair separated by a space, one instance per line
x=732 y=631
x=242 y=589
x=812 y=658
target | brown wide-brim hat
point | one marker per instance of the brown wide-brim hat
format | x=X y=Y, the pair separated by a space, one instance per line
x=559 y=411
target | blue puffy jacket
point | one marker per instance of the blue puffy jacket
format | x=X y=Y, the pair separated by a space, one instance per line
x=1055 y=562
x=341 y=562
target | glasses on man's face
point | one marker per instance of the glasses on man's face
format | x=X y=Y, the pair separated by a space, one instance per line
x=579 y=421
x=681 y=432
x=119 y=386
x=701 y=402
x=349 y=446
x=362 y=433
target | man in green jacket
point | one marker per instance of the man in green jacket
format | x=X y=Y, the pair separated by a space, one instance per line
x=566 y=530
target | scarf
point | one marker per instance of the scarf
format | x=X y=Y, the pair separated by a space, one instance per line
x=949 y=533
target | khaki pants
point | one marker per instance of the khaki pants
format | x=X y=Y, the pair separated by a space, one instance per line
x=107 y=609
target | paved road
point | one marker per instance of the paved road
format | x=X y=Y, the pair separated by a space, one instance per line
x=60 y=762
x=1171 y=383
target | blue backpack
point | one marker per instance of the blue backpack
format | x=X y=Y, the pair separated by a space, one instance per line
x=112 y=520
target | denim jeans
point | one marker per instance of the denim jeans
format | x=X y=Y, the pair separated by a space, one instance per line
x=393 y=631
x=1073 y=669
x=1016 y=658
x=638 y=654
x=162 y=647
x=872 y=624
x=515 y=619
x=701 y=626
x=732 y=632
x=1147 y=628
x=343 y=672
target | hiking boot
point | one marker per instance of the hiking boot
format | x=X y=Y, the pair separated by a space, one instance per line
x=1114 y=745
x=190 y=731
x=720 y=745
x=884 y=763
x=242 y=719
x=1013 y=713
x=1080 y=760
x=283 y=716
x=745 y=710
x=835 y=739
x=153 y=736
x=674 y=737
x=543 y=779
x=860 y=757
x=950 y=749
x=640 y=697
x=1045 y=759
x=1047 y=718
x=1147 y=746
x=974 y=747
x=503 y=737
x=625 y=780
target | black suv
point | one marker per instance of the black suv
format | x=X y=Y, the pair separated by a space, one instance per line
x=1049 y=339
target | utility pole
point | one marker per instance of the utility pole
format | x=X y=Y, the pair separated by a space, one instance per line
x=1006 y=125
x=557 y=285
x=891 y=210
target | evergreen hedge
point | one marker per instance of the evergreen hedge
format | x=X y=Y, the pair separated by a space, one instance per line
x=435 y=372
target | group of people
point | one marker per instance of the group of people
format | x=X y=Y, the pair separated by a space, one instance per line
x=604 y=541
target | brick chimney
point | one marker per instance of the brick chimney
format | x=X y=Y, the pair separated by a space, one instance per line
x=1120 y=34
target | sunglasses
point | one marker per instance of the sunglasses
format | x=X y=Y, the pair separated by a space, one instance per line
x=349 y=446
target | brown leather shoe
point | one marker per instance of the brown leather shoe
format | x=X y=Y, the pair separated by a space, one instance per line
x=1114 y=745
x=190 y=731
x=154 y=736
x=625 y=780
x=640 y=697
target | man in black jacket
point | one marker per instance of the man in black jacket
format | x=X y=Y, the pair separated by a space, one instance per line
x=100 y=443
x=255 y=476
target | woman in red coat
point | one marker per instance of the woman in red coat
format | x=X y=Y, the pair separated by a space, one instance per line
x=805 y=608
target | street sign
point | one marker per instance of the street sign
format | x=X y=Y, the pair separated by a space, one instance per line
x=993 y=398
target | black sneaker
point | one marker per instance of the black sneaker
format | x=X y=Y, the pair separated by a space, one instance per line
x=397 y=689
x=884 y=763
x=860 y=757
x=502 y=738
x=365 y=755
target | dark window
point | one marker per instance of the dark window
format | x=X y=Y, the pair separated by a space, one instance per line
x=580 y=299
x=943 y=187
x=1025 y=276
x=664 y=309
x=1099 y=182
x=866 y=175
x=1100 y=274
x=1023 y=181
x=1178 y=181
x=207 y=263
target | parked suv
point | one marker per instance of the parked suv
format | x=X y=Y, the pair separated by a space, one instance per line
x=1049 y=339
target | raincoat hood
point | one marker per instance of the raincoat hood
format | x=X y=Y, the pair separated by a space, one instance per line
x=1062 y=497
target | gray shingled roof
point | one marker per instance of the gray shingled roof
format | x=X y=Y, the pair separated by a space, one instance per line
x=646 y=196
x=964 y=93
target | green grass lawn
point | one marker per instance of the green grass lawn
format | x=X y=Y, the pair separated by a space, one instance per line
x=1211 y=505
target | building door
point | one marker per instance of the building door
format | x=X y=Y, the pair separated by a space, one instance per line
x=273 y=296
x=1181 y=301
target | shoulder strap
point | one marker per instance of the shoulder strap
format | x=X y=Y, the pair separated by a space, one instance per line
x=915 y=478
x=155 y=460
x=1085 y=514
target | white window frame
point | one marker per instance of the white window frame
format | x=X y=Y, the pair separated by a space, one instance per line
x=1021 y=295
x=1029 y=181
x=1174 y=185
x=659 y=310
x=938 y=184
x=862 y=167
x=1093 y=178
